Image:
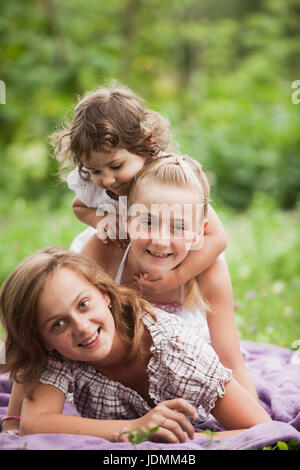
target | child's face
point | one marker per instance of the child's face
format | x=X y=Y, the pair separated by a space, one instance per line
x=114 y=171
x=163 y=231
x=73 y=318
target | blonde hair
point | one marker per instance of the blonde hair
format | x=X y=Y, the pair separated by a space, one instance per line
x=182 y=171
x=109 y=118
x=25 y=353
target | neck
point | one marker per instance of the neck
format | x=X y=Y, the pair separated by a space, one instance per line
x=117 y=357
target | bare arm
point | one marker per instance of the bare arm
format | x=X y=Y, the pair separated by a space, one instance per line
x=43 y=414
x=85 y=214
x=236 y=411
x=14 y=408
x=107 y=234
x=215 y=286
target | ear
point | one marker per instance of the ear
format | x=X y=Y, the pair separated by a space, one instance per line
x=107 y=299
x=205 y=224
x=48 y=347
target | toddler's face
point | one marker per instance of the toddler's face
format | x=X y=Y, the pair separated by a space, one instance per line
x=114 y=171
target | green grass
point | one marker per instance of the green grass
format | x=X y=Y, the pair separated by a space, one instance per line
x=263 y=255
x=264 y=258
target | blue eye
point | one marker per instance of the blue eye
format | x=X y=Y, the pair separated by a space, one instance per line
x=146 y=222
x=179 y=228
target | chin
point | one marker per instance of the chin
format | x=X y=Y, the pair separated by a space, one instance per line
x=157 y=271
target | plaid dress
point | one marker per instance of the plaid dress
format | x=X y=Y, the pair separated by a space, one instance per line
x=181 y=365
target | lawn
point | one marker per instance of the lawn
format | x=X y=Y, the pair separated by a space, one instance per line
x=263 y=255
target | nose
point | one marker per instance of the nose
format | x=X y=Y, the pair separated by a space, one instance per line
x=80 y=324
x=160 y=241
x=108 y=179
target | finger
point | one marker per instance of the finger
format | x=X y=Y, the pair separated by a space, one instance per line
x=180 y=404
x=122 y=436
x=153 y=277
x=140 y=282
x=164 y=435
x=178 y=423
x=115 y=242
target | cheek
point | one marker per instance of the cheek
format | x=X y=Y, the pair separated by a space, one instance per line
x=134 y=168
x=138 y=233
x=138 y=245
x=181 y=249
x=95 y=179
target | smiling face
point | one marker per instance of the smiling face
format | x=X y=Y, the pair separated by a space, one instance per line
x=114 y=171
x=73 y=317
x=163 y=232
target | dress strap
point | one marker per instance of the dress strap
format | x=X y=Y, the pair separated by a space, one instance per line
x=118 y=277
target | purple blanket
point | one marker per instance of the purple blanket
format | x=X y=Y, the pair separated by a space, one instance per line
x=277 y=380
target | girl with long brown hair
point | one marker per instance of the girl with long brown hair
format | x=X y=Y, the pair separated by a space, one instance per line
x=71 y=329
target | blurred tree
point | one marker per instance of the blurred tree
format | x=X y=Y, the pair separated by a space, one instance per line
x=222 y=72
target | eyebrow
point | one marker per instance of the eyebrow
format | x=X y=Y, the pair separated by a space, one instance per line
x=59 y=315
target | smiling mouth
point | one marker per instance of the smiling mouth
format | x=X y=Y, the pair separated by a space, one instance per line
x=91 y=340
x=117 y=188
x=157 y=255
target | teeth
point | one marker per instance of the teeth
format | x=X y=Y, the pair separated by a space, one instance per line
x=160 y=255
x=90 y=340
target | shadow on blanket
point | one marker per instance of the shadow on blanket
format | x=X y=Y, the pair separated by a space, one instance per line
x=277 y=380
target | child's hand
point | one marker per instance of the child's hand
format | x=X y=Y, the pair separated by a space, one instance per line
x=111 y=233
x=172 y=419
x=10 y=427
x=151 y=285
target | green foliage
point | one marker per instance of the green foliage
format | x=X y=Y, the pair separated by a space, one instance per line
x=221 y=71
x=140 y=434
x=292 y=444
x=264 y=265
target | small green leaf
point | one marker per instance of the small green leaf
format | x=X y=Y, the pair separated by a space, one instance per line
x=282 y=445
x=153 y=430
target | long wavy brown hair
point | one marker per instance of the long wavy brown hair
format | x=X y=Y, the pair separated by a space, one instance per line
x=25 y=351
x=106 y=119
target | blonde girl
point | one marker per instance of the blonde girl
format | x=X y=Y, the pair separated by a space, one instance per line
x=70 y=328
